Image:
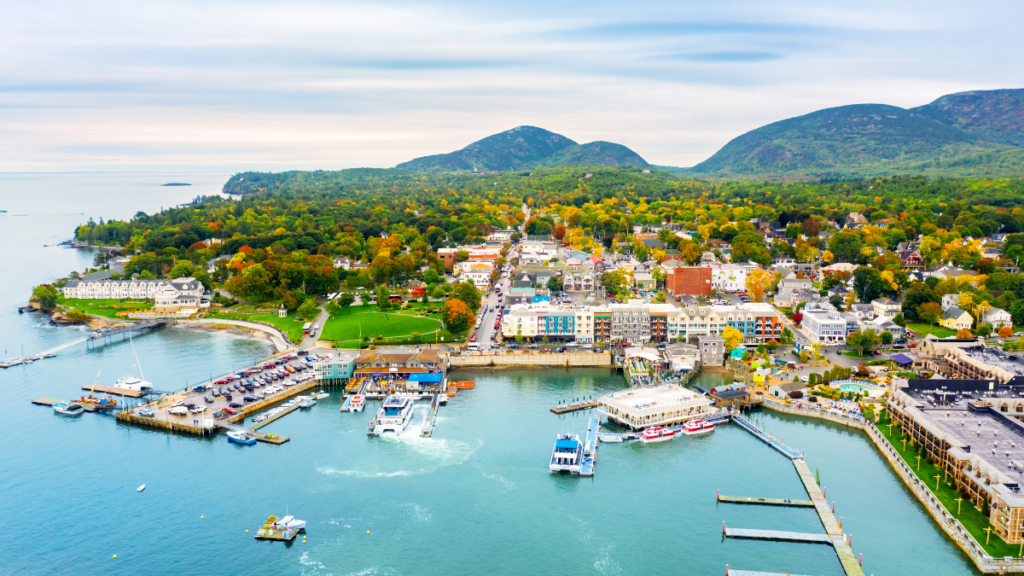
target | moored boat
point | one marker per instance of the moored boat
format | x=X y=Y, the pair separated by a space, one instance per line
x=357 y=403
x=567 y=454
x=68 y=409
x=697 y=427
x=392 y=418
x=657 y=434
x=307 y=403
x=241 y=437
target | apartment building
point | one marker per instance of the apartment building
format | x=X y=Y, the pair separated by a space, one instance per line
x=826 y=327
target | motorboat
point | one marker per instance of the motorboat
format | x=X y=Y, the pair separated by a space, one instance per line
x=321 y=395
x=697 y=427
x=567 y=455
x=357 y=403
x=613 y=438
x=68 y=409
x=307 y=403
x=392 y=418
x=140 y=488
x=657 y=434
x=291 y=523
x=241 y=437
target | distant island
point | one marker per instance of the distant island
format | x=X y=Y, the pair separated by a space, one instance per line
x=176 y=184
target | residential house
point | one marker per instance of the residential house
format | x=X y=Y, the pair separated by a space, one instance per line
x=787 y=287
x=886 y=307
x=862 y=311
x=956 y=319
x=998 y=318
x=597 y=264
x=707 y=258
x=788 y=390
x=644 y=281
x=712 y=349
x=479 y=273
x=824 y=327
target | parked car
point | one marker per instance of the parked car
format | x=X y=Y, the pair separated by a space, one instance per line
x=208 y=399
x=235 y=405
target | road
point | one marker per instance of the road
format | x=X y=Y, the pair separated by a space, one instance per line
x=486 y=330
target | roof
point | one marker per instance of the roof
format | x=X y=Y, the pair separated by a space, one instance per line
x=729 y=394
x=953 y=312
x=902 y=359
x=566 y=444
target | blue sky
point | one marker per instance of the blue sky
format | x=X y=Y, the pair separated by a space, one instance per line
x=231 y=86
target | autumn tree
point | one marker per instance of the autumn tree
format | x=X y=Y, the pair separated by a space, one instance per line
x=1005 y=332
x=964 y=334
x=456 y=315
x=732 y=336
x=930 y=312
x=757 y=282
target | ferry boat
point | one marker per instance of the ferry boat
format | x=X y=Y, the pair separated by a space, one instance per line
x=68 y=409
x=357 y=403
x=657 y=434
x=392 y=418
x=697 y=427
x=241 y=437
x=567 y=454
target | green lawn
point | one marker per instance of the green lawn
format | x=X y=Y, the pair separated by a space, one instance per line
x=855 y=354
x=104 y=307
x=395 y=327
x=293 y=328
x=923 y=330
x=973 y=520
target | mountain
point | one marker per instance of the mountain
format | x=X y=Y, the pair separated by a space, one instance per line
x=978 y=133
x=523 y=148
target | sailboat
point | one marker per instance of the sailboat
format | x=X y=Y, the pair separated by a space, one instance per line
x=130 y=382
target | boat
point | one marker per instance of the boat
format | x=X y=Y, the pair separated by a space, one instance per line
x=68 y=409
x=321 y=395
x=697 y=427
x=614 y=438
x=241 y=437
x=291 y=523
x=140 y=488
x=129 y=382
x=567 y=454
x=307 y=403
x=357 y=403
x=392 y=418
x=657 y=434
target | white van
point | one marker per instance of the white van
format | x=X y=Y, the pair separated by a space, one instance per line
x=473 y=347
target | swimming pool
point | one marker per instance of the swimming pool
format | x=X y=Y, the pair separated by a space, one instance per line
x=857 y=388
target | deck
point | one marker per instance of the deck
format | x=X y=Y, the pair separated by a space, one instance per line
x=846 y=556
x=114 y=390
x=46 y=401
x=766 y=501
x=778 y=535
x=574 y=406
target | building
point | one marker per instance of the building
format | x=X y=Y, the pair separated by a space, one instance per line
x=479 y=273
x=712 y=349
x=977 y=362
x=967 y=427
x=729 y=277
x=474 y=254
x=543 y=249
x=824 y=327
x=500 y=236
x=179 y=294
x=956 y=319
x=886 y=307
x=693 y=281
x=786 y=390
x=336 y=370
x=579 y=282
x=644 y=281
x=787 y=287
x=998 y=318
x=640 y=408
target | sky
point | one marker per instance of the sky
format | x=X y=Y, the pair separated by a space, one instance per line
x=228 y=86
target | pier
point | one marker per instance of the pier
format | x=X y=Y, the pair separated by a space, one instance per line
x=729 y=572
x=766 y=501
x=777 y=535
x=431 y=417
x=115 y=390
x=835 y=531
x=574 y=406
x=97 y=338
x=590 y=446
x=257 y=425
x=766 y=438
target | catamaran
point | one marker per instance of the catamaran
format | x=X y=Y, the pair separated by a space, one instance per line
x=392 y=418
x=130 y=382
x=567 y=455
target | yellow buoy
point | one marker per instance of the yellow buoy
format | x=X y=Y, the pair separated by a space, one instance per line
x=201 y=517
x=367 y=531
x=246 y=531
x=115 y=555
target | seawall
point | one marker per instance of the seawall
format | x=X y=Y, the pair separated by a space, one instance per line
x=531 y=359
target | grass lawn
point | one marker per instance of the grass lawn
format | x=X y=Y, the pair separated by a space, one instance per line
x=855 y=354
x=973 y=520
x=925 y=329
x=293 y=328
x=104 y=307
x=395 y=327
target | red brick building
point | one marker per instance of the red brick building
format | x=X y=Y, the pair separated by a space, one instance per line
x=689 y=280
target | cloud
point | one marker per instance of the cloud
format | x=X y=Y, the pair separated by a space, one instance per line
x=726 y=57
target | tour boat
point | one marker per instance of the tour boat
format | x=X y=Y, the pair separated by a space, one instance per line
x=68 y=409
x=697 y=427
x=357 y=403
x=241 y=437
x=567 y=454
x=657 y=434
x=392 y=418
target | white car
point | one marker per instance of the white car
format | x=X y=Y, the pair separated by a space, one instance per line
x=805 y=378
x=588 y=345
x=198 y=409
x=178 y=411
x=178 y=403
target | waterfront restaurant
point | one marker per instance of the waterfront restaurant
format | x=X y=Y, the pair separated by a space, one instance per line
x=400 y=369
x=967 y=428
x=640 y=408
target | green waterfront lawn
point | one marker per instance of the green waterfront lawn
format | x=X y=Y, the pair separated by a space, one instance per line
x=923 y=330
x=973 y=520
x=293 y=328
x=395 y=327
x=855 y=354
x=107 y=307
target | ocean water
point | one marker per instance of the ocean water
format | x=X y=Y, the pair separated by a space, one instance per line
x=476 y=498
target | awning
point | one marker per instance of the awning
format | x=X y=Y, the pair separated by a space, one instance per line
x=430 y=377
x=902 y=359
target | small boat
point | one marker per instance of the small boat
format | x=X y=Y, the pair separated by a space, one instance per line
x=657 y=434
x=140 y=488
x=697 y=427
x=614 y=438
x=291 y=523
x=241 y=437
x=321 y=395
x=357 y=403
x=307 y=403
x=68 y=409
x=567 y=455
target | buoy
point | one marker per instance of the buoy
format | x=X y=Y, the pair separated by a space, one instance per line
x=115 y=555
x=367 y=531
x=201 y=517
x=246 y=531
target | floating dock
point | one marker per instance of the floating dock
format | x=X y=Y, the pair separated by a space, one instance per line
x=272 y=438
x=590 y=446
x=431 y=417
x=835 y=532
x=281 y=414
x=115 y=390
x=574 y=406
x=778 y=535
x=766 y=501
x=46 y=401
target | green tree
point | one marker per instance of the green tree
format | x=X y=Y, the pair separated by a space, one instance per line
x=930 y=312
x=519 y=337
x=331 y=308
x=346 y=300
x=469 y=294
x=886 y=337
x=46 y=295
x=984 y=330
x=554 y=284
x=309 y=310
x=863 y=340
x=383 y=297
x=438 y=293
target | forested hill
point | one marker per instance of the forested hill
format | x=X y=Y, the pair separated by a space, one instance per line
x=526 y=147
x=971 y=133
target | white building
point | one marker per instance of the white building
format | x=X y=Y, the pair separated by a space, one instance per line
x=169 y=295
x=543 y=249
x=998 y=318
x=500 y=236
x=479 y=273
x=824 y=327
x=640 y=408
x=729 y=277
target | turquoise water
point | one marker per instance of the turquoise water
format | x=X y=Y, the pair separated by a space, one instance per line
x=476 y=498
x=857 y=388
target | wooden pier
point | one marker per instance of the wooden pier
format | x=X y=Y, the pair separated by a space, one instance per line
x=574 y=407
x=115 y=390
x=778 y=535
x=272 y=438
x=46 y=401
x=835 y=532
x=766 y=501
x=766 y=438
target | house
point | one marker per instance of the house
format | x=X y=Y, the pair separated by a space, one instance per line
x=692 y=280
x=855 y=219
x=479 y=273
x=788 y=390
x=177 y=295
x=669 y=264
x=950 y=301
x=707 y=258
x=909 y=254
x=862 y=311
x=501 y=236
x=787 y=286
x=545 y=250
x=579 y=282
x=883 y=324
x=574 y=264
x=644 y=280
x=824 y=327
x=728 y=277
x=597 y=264
x=712 y=349
x=342 y=263
x=956 y=319
x=654 y=243
x=998 y=318
x=886 y=307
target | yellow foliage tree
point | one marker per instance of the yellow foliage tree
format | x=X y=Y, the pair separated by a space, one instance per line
x=732 y=336
x=965 y=301
x=757 y=282
x=827 y=256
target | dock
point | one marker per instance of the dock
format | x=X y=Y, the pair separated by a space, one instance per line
x=835 y=532
x=766 y=438
x=590 y=446
x=766 y=501
x=46 y=401
x=431 y=417
x=729 y=572
x=256 y=426
x=115 y=390
x=778 y=536
x=272 y=439
x=574 y=406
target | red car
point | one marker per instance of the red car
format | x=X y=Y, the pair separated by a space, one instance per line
x=472 y=338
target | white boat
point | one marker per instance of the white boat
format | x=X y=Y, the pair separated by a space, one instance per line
x=697 y=427
x=392 y=418
x=140 y=488
x=307 y=403
x=241 y=437
x=657 y=434
x=357 y=403
x=321 y=395
x=291 y=523
x=129 y=382
x=567 y=454
x=68 y=409
x=613 y=438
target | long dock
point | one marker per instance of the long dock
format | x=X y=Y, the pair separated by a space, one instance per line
x=281 y=414
x=430 y=418
x=115 y=390
x=590 y=446
x=835 y=532
x=574 y=406
x=777 y=535
x=766 y=501
x=766 y=438
x=729 y=572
